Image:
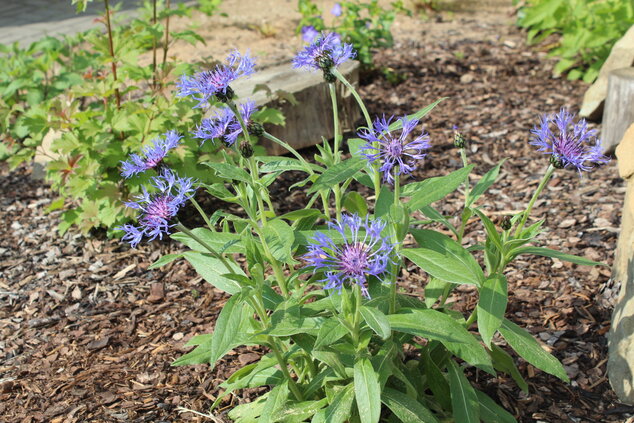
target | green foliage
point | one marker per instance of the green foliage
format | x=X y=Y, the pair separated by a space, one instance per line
x=587 y=30
x=363 y=23
x=67 y=89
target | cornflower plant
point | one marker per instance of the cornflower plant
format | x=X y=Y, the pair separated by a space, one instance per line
x=317 y=287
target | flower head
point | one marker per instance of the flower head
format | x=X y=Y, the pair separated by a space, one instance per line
x=219 y=127
x=363 y=253
x=325 y=51
x=152 y=156
x=569 y=144
x=336 y=10
x=157 y=209
x=309 y=33
x=207 y=84
x=392 y=148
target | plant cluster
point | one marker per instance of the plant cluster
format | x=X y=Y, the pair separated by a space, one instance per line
x=364 y=24
x=587 y=28
x=97 y=103
x=318 y=286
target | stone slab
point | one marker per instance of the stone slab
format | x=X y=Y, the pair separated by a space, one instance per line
x=311 y=119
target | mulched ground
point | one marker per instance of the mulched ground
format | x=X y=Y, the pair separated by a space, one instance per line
x=87 y=333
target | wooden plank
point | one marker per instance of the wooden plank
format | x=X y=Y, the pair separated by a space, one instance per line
x=618 y=113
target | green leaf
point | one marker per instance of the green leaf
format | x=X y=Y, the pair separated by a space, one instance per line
x=442 y=266
x=434 y=289
x=367 y=391
x=435 y=325
x=503 y=362
x=300 y=411
x=436 y=380
x=451 y=255
x=355 y=203
x=213 y=271
x=339 y=409
x=464 y=401
x=337 y=174
x=216 y=240
x=280 y=238
x=330 y=332
x=167 y=258
x=232 y=320
x=547 y=252
x=275 y=401
x=433 y=189
x=492 y=306
x=377 y=321
x=490 y=412
x=384 y=202
x=408 y=410
x=530 y=350
x=227 y=171
x=484 y=183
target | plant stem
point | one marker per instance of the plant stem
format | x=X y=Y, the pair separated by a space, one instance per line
x=471 y=318
x=154 y=46
x=467 y=187
x=375 y=166
x=213 y=252
x=540 y=188
x=290 y=150
x=203 y=214
x=284 y=367
x=395 y=267
x=111 y=47
x=335 y=118
x=167 y=33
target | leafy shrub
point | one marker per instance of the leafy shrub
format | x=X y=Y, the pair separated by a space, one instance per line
x=317 y=286
x=587 y=28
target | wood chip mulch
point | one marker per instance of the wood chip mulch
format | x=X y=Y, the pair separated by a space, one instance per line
x=87 y=333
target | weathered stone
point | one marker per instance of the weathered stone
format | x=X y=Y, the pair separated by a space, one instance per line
x=618 y=113
x=621 y=56
x=621 y=336
x=311 y=119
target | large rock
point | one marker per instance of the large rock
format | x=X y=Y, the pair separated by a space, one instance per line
x=309 y=120
x=621 y=336
x=621 y=56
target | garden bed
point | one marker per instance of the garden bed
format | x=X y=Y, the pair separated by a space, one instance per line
x=87 y=333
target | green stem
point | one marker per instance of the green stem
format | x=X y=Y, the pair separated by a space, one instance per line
x=397 y=243
x=290 y=150
x=213 y=252
x=540 y=188
x=471 y=318
x=203 y=214
x=337 y=191
x=284 y=367
x=324 y=200
x=335 y=117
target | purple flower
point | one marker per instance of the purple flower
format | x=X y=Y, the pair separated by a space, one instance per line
x=326 y=51
x=569 y=145
x=336 y=10
x=218 y=127
x=157 y=209
x=398 y=155
x=224 y=126
x=309 y=33
x=207 y=84
x=152 y=155
x=363 y=253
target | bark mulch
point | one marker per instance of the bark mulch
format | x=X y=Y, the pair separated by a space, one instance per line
x=87 y=333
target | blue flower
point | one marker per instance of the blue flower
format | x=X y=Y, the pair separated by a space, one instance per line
x=325 y=52
x=392 y=148
x=569 y=145
x=363 y=253
x=336 y=10
x=153 y=155
x=309 y=33
x=157 y=209
x=207 y=84
x=224 y=126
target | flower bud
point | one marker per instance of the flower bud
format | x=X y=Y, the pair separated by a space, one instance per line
x=506 y=223
x=246 y=149
x=556 y=161
x=255 y=128
x=226 y=96
x=458 y=140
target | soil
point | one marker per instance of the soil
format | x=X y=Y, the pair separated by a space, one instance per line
x=87 y=333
